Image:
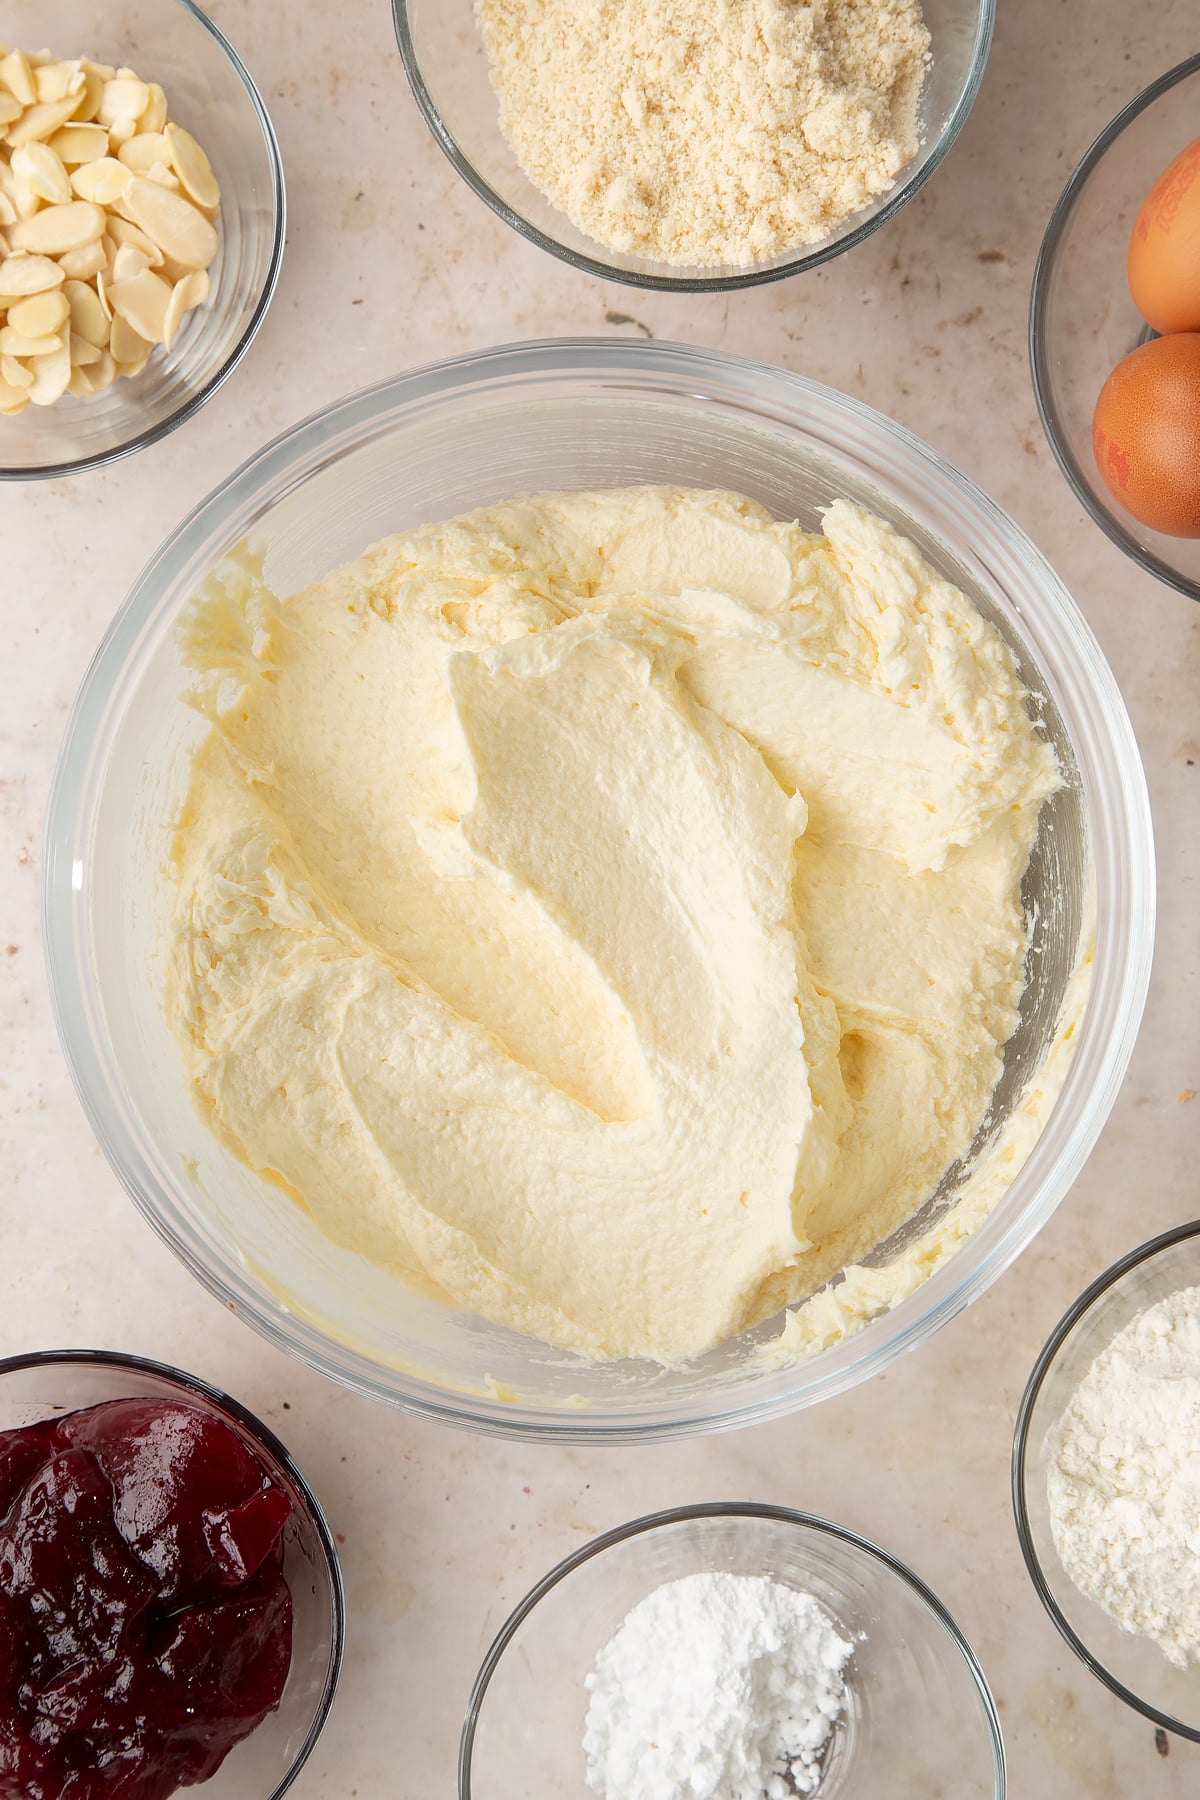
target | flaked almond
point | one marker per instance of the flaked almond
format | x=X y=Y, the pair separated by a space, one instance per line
x=193 y=168
x=41 y=315
x=25 y=200
x=83 y=351
x=15 y=343
x=90 y=95
x=103 y=181
x=88 y=318
x=92 y=378
x=141 y=302
x=40 y=169
x=178 y=228
x=55 y=80
x=80 y=265
x=51 y=376
x=155 y=116
x=62 y=228
x=12 y=399
x=172 y=271
x=127 y=343
x=15 y=373
x=124 y=231
x=76 y=144
x=21 y=275
x=128 y=262
x=120 y=208
x=41 y=121
x=125 y=97
x=16 y=74
x=144 y=150
x=10 y=108
x=190 y=291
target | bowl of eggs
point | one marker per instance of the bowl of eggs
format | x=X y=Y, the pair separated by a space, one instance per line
x=1115 y=329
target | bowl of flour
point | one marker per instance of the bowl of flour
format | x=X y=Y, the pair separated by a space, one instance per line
x=1106 y=1478
x=663 y=146
x=730 y=1652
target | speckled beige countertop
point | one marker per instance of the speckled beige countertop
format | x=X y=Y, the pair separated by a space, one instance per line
x=390 y=262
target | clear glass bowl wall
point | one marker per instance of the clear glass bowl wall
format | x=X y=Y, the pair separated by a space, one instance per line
x=508 y=422
x=264 y=1765
x=211 y=93
x=447 y=69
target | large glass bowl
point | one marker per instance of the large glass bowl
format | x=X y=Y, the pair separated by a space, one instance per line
x=918 y=1719
x=210 y=92
x=476 y=430
x=1133 y=1668
x=1082 y=319
x=265 y=1764
x=447 y=69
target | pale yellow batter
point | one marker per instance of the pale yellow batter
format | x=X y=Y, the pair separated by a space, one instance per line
x=603 y=910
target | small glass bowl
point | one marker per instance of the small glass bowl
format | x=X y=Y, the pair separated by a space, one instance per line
x=1082 y=319
x=265 y=1764
x=918 y=1709
x=1134 y=1668
x=444 y=58
x=210 y=92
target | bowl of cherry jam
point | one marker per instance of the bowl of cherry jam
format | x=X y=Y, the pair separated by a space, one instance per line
x=171 y=1610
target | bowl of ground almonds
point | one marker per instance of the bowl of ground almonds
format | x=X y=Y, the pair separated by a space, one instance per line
x=663 y=147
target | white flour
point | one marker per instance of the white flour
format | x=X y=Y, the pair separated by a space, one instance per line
x=715 y=1687
x=1124 y=1478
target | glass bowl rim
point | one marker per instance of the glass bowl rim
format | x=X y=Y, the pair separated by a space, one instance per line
x=187 y=409
x=277 y=1451
x=650 y=372
x=1094 y=1292
x=727 y=1509
x=1039 y=366
x=812 y=258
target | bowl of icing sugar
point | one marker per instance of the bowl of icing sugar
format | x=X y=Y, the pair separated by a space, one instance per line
x=1106 y=1478
x=727 y=1651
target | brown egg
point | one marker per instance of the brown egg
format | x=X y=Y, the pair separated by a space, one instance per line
x=1164 y=249
x=1146 y=434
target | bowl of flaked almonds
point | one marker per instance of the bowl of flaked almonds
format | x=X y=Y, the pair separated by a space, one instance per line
x=141 y=226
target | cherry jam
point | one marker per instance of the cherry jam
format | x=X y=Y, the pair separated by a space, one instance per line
x=145 y=1623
